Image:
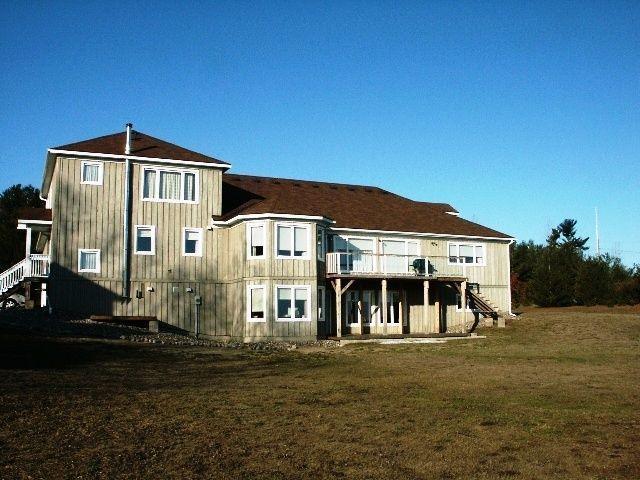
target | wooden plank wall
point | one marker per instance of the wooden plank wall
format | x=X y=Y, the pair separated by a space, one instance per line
x=87 y=216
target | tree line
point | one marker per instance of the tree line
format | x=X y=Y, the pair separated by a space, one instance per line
x=12 y=240
x=560 y=273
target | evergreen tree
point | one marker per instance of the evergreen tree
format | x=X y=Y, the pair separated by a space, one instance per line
x=12 y=240
x=524 y=256
x=553 y=279
x=594 y=284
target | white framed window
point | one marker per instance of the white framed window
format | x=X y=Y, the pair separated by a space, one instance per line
x=321 y=243
x=256 y=240
x=145 y=243
x=88 y=260
x=91 y=173
x=322 y=300
x=173 y=185
x=192 y=242
x=467 y=253
x=292 y=303
x=292 y=240
x=256 y=303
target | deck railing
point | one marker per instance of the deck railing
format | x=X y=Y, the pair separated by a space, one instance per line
x=38 y=266
x=367 y=263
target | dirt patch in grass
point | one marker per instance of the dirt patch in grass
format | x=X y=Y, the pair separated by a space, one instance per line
x=555 y=395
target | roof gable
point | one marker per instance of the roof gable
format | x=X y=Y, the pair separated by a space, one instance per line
x=142 y=145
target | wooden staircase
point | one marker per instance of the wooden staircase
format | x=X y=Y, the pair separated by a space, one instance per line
x=482 y=305
x=34 y=266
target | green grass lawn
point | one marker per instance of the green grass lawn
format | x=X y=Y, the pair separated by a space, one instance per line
x=556 y=394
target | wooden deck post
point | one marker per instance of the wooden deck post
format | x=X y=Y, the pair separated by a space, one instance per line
x=385 y=311
x=404 y=311
x=463 y=300
x=438 y=308
x=425 y=312
x=360 y=316
x=338 y=289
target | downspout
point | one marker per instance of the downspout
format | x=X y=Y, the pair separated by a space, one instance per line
x=126 y=215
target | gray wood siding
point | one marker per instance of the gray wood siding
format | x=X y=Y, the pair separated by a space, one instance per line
x=89 y=216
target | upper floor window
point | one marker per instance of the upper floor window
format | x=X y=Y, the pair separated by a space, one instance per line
x=145 y=240
x=467 y=253
x=91 y=173
x=292 y=240
x=89 y=260
x=192 y=242
x=170 y=185
x=256 y=239
x=321 y=243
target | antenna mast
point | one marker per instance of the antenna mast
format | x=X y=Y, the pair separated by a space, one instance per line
x=597 y=235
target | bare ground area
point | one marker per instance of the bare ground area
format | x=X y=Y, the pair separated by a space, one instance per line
x=554 y=395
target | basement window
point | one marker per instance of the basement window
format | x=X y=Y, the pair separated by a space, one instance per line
x=292 y=303
x=459 y=303
x=256 y=296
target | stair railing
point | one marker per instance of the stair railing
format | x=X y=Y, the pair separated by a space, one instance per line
x=12 y=276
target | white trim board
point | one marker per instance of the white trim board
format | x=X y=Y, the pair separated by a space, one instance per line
x=135 y=157
x=268 y=216
x=34 y=222
x=419 y=234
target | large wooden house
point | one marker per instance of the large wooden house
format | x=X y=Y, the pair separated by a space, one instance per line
x=136 y=226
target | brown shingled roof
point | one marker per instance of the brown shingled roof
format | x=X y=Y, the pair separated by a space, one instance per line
x=142 y=145
x=350 y=206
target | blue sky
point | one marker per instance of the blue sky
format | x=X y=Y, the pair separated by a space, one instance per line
x=519 y=114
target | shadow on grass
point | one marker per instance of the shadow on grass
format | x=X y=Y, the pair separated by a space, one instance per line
x=21 y=352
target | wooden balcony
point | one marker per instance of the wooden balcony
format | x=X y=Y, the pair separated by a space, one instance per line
x=371 y=265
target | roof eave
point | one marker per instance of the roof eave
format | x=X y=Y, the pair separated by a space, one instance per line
x=264 y=216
